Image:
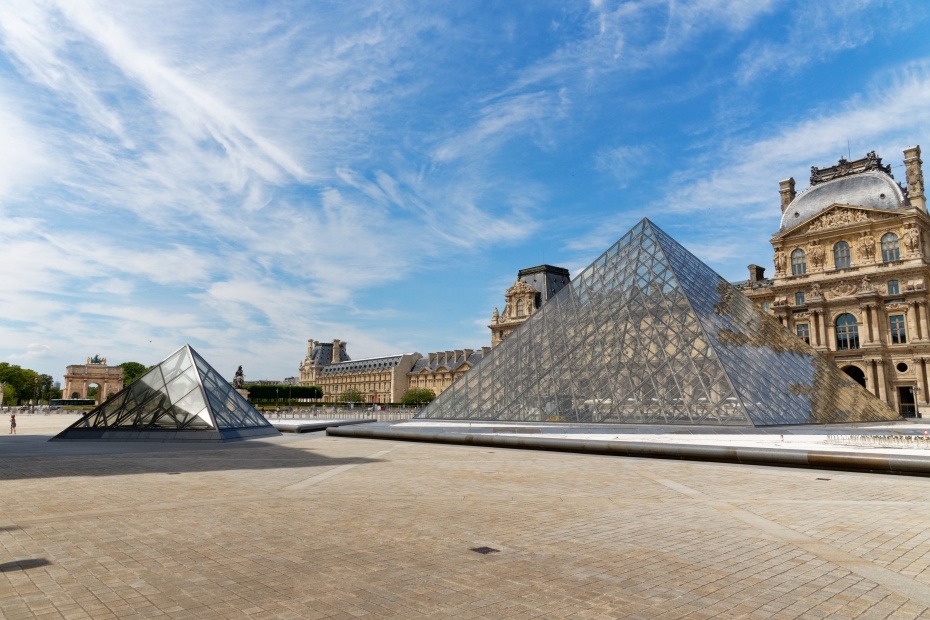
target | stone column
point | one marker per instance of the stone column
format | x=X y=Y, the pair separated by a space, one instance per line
x=829 y=330
x=880 y=386
x=874 y=378
x=866 y=334
x=922 y=318
x=919 y=333
x=821 y=334
x=876 y=333
x=913 y=330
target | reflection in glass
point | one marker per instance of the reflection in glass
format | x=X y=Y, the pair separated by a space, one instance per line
x=182 y=393
x=650 y=335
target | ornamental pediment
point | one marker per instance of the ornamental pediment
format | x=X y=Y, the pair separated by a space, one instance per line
x=837 y=216
x=521 y=288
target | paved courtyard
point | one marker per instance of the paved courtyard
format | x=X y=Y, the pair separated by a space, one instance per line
x=309 y=526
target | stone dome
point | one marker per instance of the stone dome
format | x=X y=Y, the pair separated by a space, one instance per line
x=872 y=189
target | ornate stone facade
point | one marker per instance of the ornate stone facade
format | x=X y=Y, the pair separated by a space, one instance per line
x=437 y=371
x=852 y=267
x=379 y=379
x=534 y=287
x=79 y=377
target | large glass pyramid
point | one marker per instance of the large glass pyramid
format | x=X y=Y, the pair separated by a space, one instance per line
x=182 y=398
x=648 y=334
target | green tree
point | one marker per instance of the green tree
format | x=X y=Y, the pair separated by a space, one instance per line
x=351 y=396
x=17 y=383
x=418 y=396
x=132 y=371
x=92 y=391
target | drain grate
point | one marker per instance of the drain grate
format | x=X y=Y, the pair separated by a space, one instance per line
x=485 y=550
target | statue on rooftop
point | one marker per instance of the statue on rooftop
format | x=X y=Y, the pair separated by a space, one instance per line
x=239 y=379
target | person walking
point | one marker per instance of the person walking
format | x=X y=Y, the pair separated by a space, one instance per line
x=12 y=424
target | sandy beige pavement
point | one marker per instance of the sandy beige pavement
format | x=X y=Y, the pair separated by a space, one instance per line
x=37 y=424
x=309 y=526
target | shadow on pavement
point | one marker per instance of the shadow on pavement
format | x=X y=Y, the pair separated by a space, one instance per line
x=44 y=459
x=6 y=567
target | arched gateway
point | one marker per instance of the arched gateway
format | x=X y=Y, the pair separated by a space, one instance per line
x=79 y=377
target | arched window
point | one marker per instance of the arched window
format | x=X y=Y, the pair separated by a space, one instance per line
x=847 y=332
x=520 y=309
x=890 y=249
x=841 y=255
x=798 y=262
x=799 y=298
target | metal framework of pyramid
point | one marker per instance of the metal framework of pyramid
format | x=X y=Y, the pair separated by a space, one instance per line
x=183 y=398
x=648 y=334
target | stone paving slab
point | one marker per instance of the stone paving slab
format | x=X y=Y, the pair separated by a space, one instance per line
x=308 y=526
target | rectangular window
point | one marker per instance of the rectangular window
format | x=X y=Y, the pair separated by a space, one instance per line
x=765 y=306
x=898 y=332
x=799 y=298
x=893 y=288
x=804 y=332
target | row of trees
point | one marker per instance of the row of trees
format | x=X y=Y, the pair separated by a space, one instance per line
x=286 y=393
x=283 y=391
x=412 y=397
x=24 y=385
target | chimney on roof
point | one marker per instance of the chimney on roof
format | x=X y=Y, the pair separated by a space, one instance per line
x=310 y=344
x=336 y=344
x=756 y=273
x=786 y=189
x=915 y=178
x=485 y=351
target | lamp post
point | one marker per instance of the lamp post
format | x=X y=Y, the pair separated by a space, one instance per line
x=916 y=390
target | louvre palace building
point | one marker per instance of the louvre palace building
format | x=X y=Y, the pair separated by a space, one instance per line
x=385 y=379
x=852 y=266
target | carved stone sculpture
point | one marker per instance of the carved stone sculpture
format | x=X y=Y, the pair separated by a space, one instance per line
x=779 y=261
x=912 y=238
x=239 y=379
x=815 y=253
x=867 y=246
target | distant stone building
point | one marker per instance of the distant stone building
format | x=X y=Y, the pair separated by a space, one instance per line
x=534 y=287
x=80 y=377
x=379 y=379
x=385 y=379
x=852 y=267
x=437 y=371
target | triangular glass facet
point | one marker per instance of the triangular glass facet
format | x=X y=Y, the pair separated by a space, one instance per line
x=182 y=393
x=648 y=334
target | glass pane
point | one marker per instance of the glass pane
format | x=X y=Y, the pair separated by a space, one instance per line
x=649 y=334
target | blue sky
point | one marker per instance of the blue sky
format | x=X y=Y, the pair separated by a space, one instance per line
x=243 y=176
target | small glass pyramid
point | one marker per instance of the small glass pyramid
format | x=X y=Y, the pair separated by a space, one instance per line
x=648 y=334
x=181 y=398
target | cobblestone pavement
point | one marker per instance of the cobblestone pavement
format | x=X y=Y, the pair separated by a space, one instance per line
x=310 y=526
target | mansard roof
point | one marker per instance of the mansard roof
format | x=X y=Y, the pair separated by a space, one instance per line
x=864 y=183
x=435 y=361
x=366 y=365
